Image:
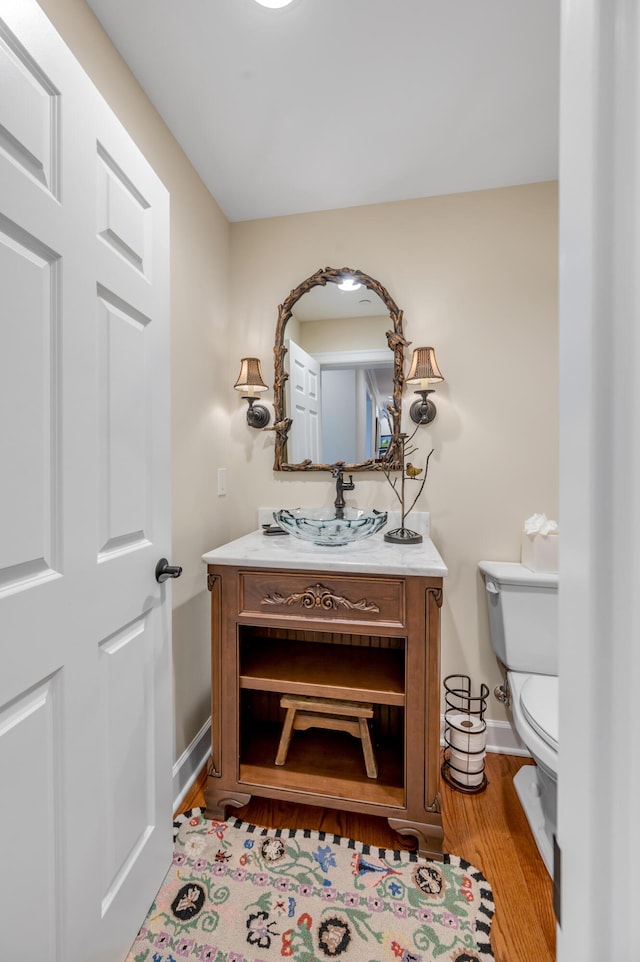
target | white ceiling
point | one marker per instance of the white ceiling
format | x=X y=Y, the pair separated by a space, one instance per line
x=337 y=103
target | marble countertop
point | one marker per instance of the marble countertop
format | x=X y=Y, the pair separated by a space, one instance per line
x=373 y=555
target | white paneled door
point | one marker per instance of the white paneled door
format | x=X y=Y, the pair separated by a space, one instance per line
x=85 y=691
x=302 y=389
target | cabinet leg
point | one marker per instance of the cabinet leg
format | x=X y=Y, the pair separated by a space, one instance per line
x=218 y=800
x=429 y=836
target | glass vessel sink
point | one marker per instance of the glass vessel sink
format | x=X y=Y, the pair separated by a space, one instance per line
x=321 y=526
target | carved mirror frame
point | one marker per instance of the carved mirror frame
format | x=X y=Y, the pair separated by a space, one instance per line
x=396 y=342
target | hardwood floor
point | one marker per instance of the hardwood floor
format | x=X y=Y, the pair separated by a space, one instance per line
x=490 y=830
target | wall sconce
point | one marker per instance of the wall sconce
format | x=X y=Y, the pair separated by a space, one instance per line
x=424 y=370
x=251 y=384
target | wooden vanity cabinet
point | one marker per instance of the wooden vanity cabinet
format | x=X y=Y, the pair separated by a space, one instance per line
x=362 y=638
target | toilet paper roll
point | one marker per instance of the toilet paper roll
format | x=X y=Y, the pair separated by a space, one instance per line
x=467 y=733
x=471 y=780
x=470 y=764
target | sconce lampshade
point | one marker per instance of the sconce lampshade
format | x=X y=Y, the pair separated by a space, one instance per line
x=424 y=367
x=424 y=370
x=250 y=380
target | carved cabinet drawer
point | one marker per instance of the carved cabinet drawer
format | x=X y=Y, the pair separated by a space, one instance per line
x=319 y=595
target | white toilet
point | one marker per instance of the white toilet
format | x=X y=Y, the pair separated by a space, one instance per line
x=523 y=620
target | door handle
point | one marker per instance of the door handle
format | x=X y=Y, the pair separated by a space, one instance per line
x=164 y=571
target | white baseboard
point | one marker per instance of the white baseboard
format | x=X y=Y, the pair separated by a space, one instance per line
x=190 y=764
x=501 y=738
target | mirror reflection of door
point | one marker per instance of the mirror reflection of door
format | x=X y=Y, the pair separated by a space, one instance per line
x=303 y=389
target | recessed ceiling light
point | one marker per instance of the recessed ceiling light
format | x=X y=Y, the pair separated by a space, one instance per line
x=349 y=284
x=274 y=3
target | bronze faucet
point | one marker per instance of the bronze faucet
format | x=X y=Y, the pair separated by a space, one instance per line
x=341 y=487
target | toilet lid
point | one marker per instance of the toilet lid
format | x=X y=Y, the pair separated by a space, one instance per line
x=539 y=703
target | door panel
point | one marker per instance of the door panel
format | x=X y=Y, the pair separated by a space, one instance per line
x=29 y=493
x=28 y=106
x=29 y=727
x=124 y=426
x=127 y=700
x=124 y=219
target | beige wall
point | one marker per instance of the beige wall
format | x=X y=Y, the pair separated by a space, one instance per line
x=476 y=276
x=344 y=334
x=199 y=317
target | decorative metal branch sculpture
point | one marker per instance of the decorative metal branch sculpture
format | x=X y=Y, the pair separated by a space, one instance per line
x=409 y=472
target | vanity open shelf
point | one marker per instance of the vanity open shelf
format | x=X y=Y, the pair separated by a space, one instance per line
x=366 y=637
x=305 y=666
x=322 y=763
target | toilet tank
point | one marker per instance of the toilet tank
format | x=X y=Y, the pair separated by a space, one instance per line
x=523 y=616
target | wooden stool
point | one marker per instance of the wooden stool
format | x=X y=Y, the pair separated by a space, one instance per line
x=346 y=716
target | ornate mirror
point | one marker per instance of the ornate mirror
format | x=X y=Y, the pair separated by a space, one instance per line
x=338 y=378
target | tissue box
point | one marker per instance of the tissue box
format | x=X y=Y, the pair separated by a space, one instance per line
x=540 y=552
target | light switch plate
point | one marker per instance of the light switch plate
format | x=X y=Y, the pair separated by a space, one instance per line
x=222 y=482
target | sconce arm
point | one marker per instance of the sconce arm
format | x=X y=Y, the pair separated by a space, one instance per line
x=258 y=416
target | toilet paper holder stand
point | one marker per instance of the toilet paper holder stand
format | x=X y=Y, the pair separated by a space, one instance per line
x=464 y=735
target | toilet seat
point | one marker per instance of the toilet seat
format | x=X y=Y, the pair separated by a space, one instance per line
x=543 y=747
x=539 y=701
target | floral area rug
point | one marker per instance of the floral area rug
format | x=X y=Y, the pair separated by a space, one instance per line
x=240 y=893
